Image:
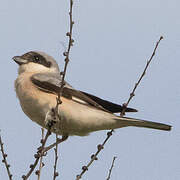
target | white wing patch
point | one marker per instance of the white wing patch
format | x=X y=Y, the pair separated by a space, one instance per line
x=79 y=100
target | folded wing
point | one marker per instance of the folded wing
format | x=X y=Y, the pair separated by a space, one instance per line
x=50 y=82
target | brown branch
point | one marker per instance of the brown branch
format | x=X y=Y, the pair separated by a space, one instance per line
x=66 y=54
x=132 y=94
x=37 y=156
x=63 y=73
x=56 y=158
x=4 y=155
x=109 y=134
x=94 y=156
x=41 y=164
x=110 y=170
x=58 y=141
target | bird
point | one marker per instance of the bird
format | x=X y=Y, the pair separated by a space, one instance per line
x=80 y=113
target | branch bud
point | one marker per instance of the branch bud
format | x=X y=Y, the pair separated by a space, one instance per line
x=65 y=53
x=94 y=157
x=68 y=34
x=84 y=168
x=100 y=147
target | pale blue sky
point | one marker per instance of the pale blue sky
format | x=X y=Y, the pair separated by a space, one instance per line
x=113 y=40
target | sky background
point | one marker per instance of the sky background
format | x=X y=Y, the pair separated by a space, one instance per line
x=113 y=41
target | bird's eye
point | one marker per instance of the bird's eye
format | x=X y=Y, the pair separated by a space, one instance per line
x=36 y=58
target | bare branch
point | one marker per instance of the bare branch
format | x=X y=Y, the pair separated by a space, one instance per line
x=37 y=156
x=132 y=94
x=4 y=155
x=110 y=170
x=66 y=53
x=63 y=73
x=109 y=134
x=41 y=164
x=58 y=141
x=94 y=156
x=56 y=158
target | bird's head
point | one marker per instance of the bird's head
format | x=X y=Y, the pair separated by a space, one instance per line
x=36 y=62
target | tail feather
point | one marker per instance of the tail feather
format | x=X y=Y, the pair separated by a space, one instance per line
x=147 y=124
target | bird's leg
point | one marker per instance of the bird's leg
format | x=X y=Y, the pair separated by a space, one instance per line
x=51 y=118
x=64 y=138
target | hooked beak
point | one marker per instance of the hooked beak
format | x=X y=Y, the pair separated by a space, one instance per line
x=19 y=60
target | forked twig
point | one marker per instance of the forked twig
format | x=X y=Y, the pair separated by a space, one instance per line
x=63 y=73
x=66 y=54
x=94 y=156
x=37 y=156
x=110 y=170
x=4 y=155
x=109 y=134
x=58 y=141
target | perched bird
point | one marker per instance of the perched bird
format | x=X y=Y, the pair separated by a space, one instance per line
x=37 y=86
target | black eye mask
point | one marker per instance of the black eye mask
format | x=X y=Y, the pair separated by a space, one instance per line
x=36 y=58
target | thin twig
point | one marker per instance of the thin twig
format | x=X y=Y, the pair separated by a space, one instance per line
x=4 y=155
x=63 y=73
x=41 y=164
x=132 y=94
x=109 y=134
x=37 y=156
x=56 y=158
x=58 y=141
x=110 y=170
x=66 y=54
x=94 y=156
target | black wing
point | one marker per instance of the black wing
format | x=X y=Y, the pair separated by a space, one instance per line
x=112 y=107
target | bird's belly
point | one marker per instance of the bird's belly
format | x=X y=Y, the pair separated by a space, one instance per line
x=80 y=119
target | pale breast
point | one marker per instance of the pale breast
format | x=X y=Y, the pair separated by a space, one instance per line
x=34 y=102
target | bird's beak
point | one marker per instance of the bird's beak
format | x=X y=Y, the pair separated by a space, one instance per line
x=19 y=60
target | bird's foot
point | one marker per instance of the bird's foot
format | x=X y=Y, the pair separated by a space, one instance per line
x=51 y=118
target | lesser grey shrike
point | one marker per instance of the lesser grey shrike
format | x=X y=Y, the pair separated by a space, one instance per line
x=37 y=86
